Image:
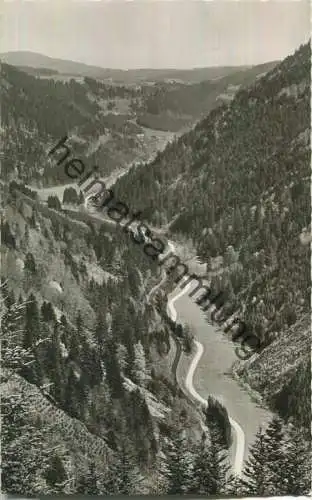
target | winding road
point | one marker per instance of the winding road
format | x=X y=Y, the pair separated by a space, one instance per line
x=239 y=433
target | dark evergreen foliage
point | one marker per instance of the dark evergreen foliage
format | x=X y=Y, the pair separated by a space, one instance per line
x=54 y=202
x=216 y=415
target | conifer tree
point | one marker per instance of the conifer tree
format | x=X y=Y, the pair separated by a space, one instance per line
x=10 y=319
x=139 y=369
x=79 y=325
x=113 y=375
x=32 y=333
x=54 y=202
x=56 y=367
x=180 y=465
x=274 y=444
x=216 y=416
x=101 y=329
x=56 y=474
x=255 y=470
x=219 y=467
x=13 y=355
x=202 y=480
x=24 y=453
x=88 y=483
x=31 y=322
x=295 y=470
x=47 y=312
x=279 y=463
x=29 y=263
x=128 y=477
x=122 y=358
x=71 y=404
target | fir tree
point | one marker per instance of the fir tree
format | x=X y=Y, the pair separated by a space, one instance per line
x=88 y=483
x=295 y=471
x=139 y=370
x=6 y=236
x=219 y=467
x=31 y=336
x=56 y=367
x=25 y=455
x=47 y=312
x=255 y=470
x=79 y=326
x=113 y=375
x=29 y=263
x=180 y=465
x=274 y=444
x=56 y=474
x=279 y=463
x=216 y=415
x=202 y=480
x=128 y=477
x=13 y=355
x=54 y=202
x=71 y=403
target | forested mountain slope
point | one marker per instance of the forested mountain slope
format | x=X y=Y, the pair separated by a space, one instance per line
x=84 y=358
x=238 y=186
x=36 y=113
x=109 y=125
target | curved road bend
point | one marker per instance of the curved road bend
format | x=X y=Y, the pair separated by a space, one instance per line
x=213 y=359
x=163 y=274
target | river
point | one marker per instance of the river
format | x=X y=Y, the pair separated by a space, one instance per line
x=210 y=376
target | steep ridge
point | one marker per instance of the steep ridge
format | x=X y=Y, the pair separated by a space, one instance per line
x=238 y=187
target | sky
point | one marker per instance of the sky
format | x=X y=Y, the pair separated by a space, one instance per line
x=156 y=33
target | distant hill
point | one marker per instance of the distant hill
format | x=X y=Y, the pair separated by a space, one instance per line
x=35 y=60
x=170 y=107
x=38 y=71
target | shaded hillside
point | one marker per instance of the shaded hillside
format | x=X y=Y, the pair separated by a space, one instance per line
x=238 y=187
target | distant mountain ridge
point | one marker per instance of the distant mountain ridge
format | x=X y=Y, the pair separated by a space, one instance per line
x=113 y=125
x=36 y=60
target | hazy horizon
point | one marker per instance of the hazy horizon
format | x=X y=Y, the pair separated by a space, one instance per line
x=157 y=34
x=126 y=69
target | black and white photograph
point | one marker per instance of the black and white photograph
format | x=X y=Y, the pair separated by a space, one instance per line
x=155 y=263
